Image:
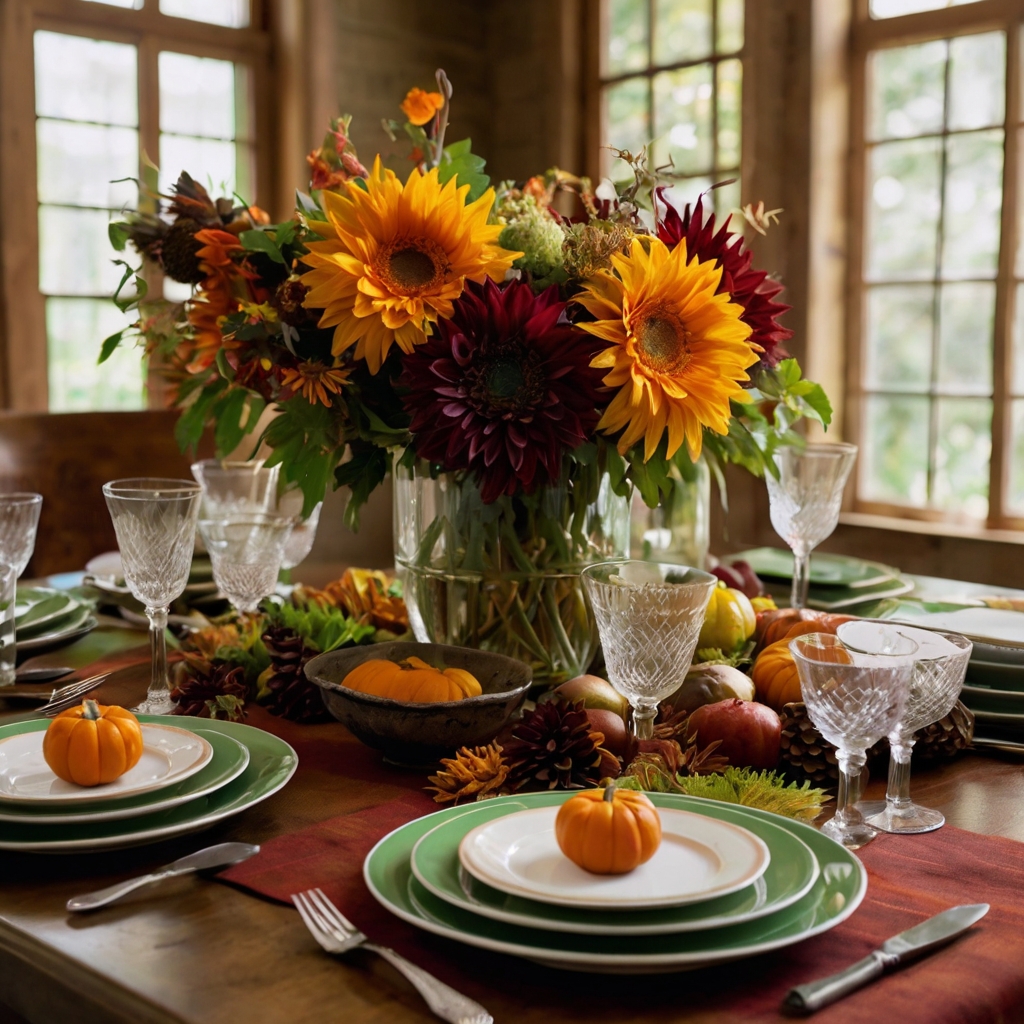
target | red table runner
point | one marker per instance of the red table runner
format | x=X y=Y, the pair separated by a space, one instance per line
x=978 y=978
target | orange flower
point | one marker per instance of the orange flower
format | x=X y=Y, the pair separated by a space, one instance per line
x=216 y=296
x=420 y=106
x=314 y=380
x=322 y=175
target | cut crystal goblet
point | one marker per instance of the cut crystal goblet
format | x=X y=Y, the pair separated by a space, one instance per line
x=649 y=616
x=231 y=487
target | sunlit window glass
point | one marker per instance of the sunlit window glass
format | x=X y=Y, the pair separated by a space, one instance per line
x=230 y=13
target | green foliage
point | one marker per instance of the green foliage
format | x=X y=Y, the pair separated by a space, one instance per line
x=458 y=161
x=260 y=241
x=362 y=474
x=322 y=628
x=226 y=706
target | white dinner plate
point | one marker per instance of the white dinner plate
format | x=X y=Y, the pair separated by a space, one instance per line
x=699 y=858
x=169 y=755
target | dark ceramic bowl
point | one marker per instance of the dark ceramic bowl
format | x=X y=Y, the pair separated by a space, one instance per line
x=420 y=734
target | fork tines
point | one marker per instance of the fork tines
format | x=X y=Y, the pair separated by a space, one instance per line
x=63 y=697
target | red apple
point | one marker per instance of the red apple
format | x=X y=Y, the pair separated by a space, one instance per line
x=750 y=732
x=616 y=735
x=595 y=692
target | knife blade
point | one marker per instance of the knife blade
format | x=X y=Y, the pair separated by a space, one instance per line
x=914 y=942
x=220 y=856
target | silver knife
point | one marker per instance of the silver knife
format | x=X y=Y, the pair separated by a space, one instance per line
x=914 y=942
x=219 y=856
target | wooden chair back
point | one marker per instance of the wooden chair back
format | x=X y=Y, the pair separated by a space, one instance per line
x=68 y=457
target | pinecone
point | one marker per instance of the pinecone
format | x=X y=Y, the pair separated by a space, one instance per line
x=179 y=252
x=287 y=301
x=284 y=688
x=210 y=689
x=470 y=775
x=552 y=748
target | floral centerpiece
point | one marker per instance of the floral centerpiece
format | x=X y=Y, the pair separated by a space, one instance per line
x=520 y=356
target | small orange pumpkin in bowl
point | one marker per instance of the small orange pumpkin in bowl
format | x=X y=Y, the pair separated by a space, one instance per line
x=412 y=680
x=92 y=744
x=608 y=831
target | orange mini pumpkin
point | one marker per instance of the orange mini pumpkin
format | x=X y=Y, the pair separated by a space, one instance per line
x=92 y=744
x=776 y=679
x=608 y=831
x=412 y=681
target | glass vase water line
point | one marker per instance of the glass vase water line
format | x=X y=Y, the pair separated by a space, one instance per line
x=679 y=529
x=504 y=576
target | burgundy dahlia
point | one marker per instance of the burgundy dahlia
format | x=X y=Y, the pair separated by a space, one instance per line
x=750 y=288
x=503 y=388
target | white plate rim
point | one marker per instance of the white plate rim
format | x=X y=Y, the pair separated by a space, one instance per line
x=653 y=903
x=544 y=924
x=86 y=625
x=92 y=796
x=117 y=814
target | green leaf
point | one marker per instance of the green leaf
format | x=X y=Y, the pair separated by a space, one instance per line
x=118 y=232
x=228 y=433
x=458 y=161
x=820 y=406
x=110 y=344
x=284 y=234
x=191 y=423
x=308 y=206
x=227 y=371
x=362 y=474
x=260 y=241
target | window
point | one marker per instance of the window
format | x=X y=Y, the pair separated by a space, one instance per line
x=117 y=82
x=671 y=72
x=937 y=320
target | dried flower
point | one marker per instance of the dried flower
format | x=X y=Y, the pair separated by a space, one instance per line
x=314 y=380
x=470 y=775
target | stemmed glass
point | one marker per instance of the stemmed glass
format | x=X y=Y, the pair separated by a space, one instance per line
x=938 y=677
x=854 y=700
x=300 y=540
x=230 y=487
x=649 y=616
x=19 y=519
x=246 y=552
x=805 y=502
x=155 y=523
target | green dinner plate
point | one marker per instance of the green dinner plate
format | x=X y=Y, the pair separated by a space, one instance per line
x=229 y=760
x=790 y=874
x=984 y=698
x=272 y=762
x=826 y=570
x=36 y=609
x=836 y=893
x=80 y=622
x=996 y=675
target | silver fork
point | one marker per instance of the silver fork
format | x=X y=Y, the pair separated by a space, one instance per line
x=337 y=934
x=64 y=696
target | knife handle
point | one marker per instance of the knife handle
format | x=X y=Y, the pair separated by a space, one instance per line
x=100 y=898
x=816 y=994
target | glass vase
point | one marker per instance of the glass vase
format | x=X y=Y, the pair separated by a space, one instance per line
x=679 y=529
x=504 y=577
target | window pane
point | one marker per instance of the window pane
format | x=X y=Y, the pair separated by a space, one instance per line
x=210 y=161
x=730 y=87
x=1015 y=498
x=75 y=330
x=77 y=164
x=197 y=96
x=894 y=459
x=974 y=199
x=962 y=455
x=688 y=190
x=75 y=257
x=682 y=30
x=682 y=118
x=903 y=212
x=627 y=121
x=627 y=36
x=898 y=353
x=730 y=25
x=726 y=198
x=231 y=13
x=83 y=79
x=966 y=321
x=907 y=88
x=132 y=5
x=977 y=80
x=894 y=8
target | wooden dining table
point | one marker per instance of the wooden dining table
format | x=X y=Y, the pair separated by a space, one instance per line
x=201 y=952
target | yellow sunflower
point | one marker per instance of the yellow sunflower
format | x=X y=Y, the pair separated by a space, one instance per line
x=396 y=257
x=678 y=350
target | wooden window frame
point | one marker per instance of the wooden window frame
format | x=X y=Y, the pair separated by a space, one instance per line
x=869 y=35
x=23 y=341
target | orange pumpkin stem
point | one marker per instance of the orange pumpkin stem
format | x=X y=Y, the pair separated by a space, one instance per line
x=90 y=710
x=609 y=792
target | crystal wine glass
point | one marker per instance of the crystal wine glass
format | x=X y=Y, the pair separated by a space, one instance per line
x=300 y=541
x=19 y=519
x=246 y=552
x=230 y=487
x=805 y=502
x=155 y=523
x=649 y=616
x=854 y=700
x=938 y=677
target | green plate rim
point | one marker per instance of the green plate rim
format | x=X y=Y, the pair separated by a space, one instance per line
x=882 y=572
x=257 y=783
x=551 y=917
x=609 y=959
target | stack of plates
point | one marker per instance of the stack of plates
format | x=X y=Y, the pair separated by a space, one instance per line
x=726 y=882
x=105 y=572
x=45 y=618
x=192 y=773
x=837 y=581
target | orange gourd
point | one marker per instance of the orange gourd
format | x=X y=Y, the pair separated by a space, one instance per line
x=786 y=623
x=776 y=679
x=412 y=681
x=92 y=744
x=608 y=831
